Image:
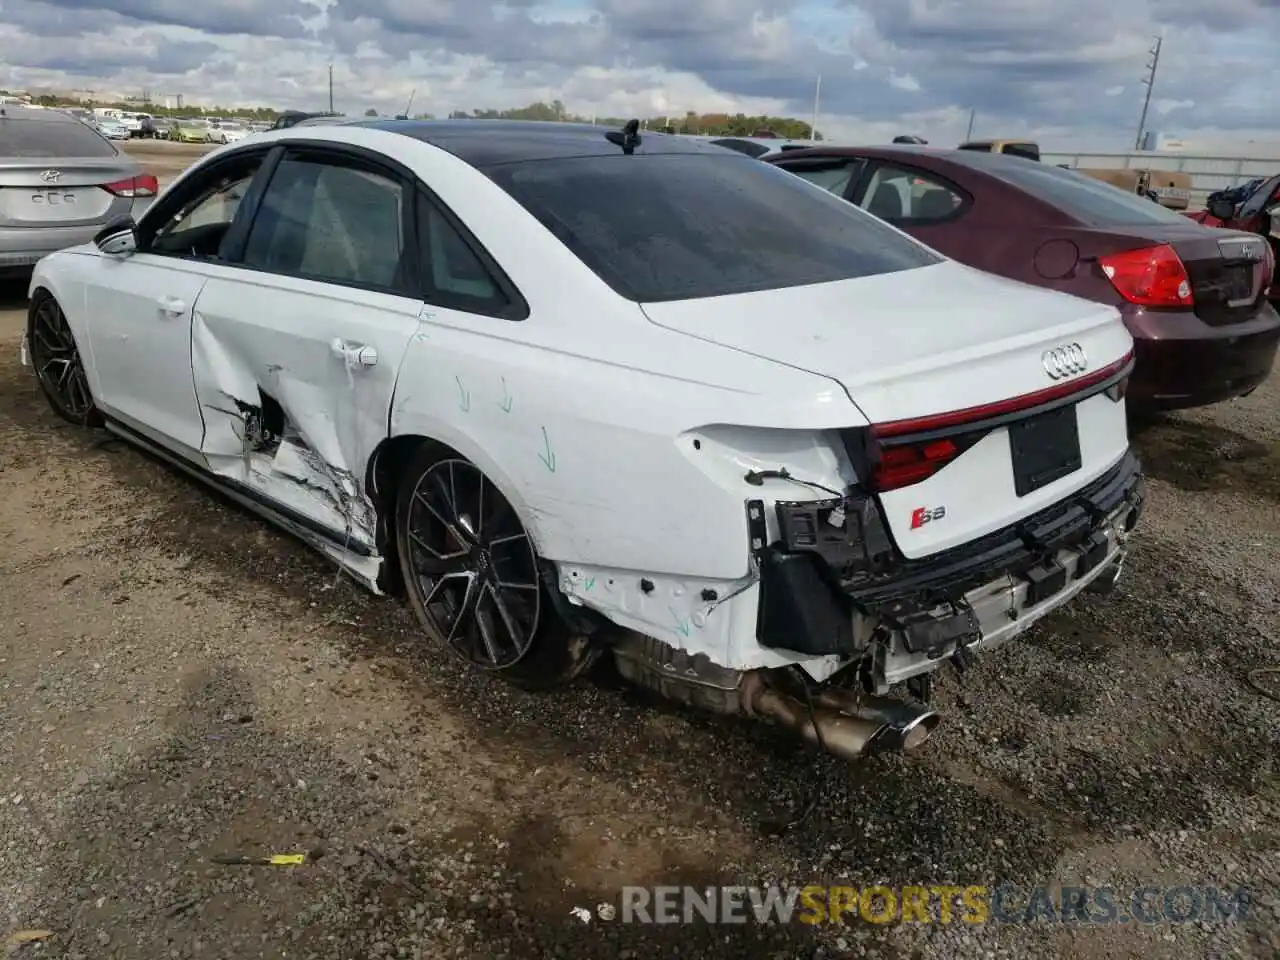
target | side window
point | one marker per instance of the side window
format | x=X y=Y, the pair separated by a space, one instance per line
x=455 y=275
x=204 y=211
x=325 y=219
x=897 y=193
x=834 y=178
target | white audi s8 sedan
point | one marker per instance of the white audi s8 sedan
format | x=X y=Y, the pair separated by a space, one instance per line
x=578 y=392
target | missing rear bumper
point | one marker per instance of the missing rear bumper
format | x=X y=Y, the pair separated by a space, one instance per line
x=904 y=618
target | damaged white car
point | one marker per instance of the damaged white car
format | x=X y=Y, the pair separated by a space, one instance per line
x=578 y=391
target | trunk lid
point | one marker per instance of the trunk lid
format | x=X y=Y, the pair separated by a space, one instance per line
x=1230 y=274
x=54 y=193
x=939 y=340
x=1229 y=270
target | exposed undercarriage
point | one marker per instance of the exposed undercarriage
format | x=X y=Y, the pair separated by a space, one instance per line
x=833 y=583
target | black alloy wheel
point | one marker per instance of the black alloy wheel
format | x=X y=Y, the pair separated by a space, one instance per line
x=57 y=362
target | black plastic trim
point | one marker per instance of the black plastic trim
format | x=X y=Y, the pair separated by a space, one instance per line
x=339 y=538
x=1012 y=549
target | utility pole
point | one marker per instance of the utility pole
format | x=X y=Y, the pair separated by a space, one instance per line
x=1150 y=81
x=817 y=94
x=331 y=88
x=973 y=114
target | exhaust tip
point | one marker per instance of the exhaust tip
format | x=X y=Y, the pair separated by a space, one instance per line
x=904 y=736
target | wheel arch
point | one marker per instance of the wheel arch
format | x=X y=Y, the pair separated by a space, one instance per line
x=385 y=471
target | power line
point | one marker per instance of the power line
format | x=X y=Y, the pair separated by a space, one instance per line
x=1150 y=81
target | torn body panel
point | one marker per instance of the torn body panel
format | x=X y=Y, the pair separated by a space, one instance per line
x=286 y=413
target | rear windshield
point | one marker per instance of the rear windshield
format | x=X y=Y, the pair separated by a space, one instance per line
x=1081 y=197
x=684 y=226
x=50 y=138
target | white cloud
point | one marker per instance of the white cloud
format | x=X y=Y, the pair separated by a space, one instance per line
x=1030 y=67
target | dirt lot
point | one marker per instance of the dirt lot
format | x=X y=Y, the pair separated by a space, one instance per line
x=178 y=681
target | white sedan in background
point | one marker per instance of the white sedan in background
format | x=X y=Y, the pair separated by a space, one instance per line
x=581 y=392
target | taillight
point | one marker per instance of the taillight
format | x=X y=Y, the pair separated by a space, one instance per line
x=1269 y=268
x=143 y=185
x=1149 y=277
x=905 y=464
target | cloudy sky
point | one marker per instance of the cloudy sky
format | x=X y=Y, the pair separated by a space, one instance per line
x=1068 y=73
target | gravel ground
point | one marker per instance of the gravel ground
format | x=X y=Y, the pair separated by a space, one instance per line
x=178 y=681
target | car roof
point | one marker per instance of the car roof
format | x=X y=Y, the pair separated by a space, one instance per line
x=487 y=142
x=14 y=111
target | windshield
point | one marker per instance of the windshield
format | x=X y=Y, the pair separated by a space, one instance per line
x=700 y=225
x=51 y=138
x=1081 y=197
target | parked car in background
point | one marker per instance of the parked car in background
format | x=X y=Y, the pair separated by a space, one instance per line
x=191 y=130
x=1014 y=148
x=1237 y=194
x=1193 y=298
x=292 y=117
x=112 y=129
x=228 y=131
x=60 y=182
x=157 y=128
x=853 y=460
x=1250 y=208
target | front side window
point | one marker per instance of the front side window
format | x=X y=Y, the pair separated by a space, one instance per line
x=683 y=226
x=206 y=208
x=330 y=221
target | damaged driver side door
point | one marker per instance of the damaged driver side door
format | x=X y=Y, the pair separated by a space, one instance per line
x=143 y=305
x=296 y=353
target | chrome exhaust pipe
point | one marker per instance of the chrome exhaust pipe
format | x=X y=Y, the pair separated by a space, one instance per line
x=846 y=725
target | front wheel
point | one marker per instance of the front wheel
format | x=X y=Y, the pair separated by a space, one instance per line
x=57 y=363
x=472 y=575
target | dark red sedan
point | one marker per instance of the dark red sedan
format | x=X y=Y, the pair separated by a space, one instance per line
x=1193 y=297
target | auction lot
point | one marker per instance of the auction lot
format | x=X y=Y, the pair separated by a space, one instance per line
x=179 y=682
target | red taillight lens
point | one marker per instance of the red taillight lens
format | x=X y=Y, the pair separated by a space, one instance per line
x=144 y=185
x=1149 y=277
x=901 y=466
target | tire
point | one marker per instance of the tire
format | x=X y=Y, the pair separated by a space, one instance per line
x=59 y=369
x=473 y=577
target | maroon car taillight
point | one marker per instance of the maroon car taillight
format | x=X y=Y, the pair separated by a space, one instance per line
x=143 y=185
x=1149 y=277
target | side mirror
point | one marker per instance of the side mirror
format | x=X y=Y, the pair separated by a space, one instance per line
x=1222 y=209
x=118 y=238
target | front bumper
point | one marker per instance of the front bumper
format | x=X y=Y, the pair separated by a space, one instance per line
x=909 y=616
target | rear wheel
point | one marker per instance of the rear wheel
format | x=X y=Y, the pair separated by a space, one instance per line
x=57 y=363
x=472 y=574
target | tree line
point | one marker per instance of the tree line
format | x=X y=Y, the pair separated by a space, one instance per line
x=691 y=122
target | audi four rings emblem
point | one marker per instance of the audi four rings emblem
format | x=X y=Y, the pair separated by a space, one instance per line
x=1064 y=361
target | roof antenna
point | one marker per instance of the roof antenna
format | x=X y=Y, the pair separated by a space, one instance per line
x=628 y=139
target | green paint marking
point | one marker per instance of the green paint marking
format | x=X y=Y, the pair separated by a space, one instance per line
x=682 y=625
x=589 y=583
x=464 y=396
x=506 y=401
x=548 y=457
